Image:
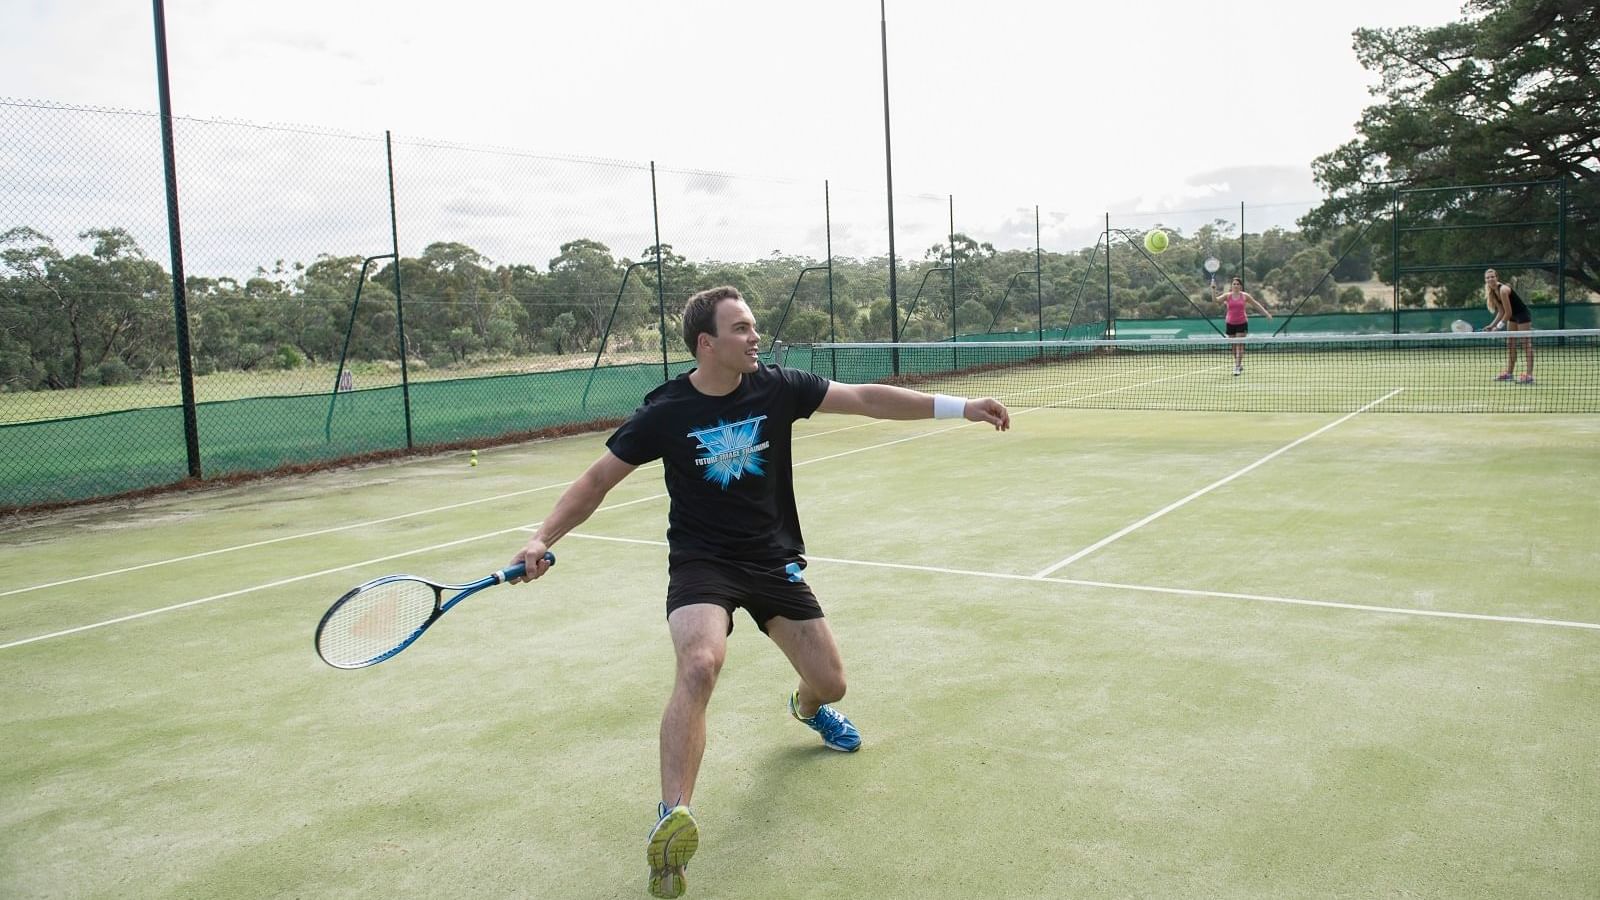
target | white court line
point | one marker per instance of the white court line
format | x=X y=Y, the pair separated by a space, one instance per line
x=1151 y=589
x=280 y=583
x=427 y=549
x=337 y=528
x=1206 y=490
x=259 y=587
x=276 y=540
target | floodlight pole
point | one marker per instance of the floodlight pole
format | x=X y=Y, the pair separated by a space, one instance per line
x=180 y=303
x=888 y=163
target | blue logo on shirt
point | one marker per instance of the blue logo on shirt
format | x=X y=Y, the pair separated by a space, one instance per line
x=794 y=573
x=731 y=451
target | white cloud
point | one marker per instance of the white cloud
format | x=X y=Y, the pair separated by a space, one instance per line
x=1166 y=105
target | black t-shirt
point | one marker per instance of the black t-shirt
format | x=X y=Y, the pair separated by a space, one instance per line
x=728 y=462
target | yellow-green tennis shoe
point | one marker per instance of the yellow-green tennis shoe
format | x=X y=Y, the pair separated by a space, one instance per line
x=672 y=843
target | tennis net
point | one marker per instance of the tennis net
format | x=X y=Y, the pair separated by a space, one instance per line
x=1288 y=373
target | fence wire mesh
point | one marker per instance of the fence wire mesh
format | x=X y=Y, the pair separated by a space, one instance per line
x=351 y=294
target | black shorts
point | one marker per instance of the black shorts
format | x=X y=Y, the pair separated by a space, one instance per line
x=1238 y=330
x=764 y=590
x=1520 y=315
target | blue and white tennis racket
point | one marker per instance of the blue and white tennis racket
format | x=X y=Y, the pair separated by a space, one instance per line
x=376 y=620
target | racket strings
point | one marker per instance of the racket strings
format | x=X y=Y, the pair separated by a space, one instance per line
x=375 y=621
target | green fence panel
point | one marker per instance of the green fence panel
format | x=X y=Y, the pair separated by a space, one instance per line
x=58 y=460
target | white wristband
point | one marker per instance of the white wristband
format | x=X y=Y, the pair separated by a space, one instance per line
x=948 y=407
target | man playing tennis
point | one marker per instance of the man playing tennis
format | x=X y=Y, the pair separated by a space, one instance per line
x=723 y=434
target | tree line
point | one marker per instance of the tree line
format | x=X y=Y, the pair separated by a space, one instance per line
x=105 y=316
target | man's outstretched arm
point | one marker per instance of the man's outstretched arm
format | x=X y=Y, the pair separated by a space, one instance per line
x=885 y=401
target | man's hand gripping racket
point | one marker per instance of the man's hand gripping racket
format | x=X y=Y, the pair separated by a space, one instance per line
x=376 y=620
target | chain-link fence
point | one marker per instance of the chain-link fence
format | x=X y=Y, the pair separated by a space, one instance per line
x=356 y=294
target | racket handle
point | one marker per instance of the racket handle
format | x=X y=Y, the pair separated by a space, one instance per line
x=519 y=570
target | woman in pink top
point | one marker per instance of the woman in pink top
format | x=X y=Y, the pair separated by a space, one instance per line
x=1238 y=320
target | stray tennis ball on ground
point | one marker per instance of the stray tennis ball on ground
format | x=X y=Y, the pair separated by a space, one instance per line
x=474 y=461
x=1155 y=240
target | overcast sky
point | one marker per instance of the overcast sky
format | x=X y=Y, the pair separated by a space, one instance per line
x=1076 y=107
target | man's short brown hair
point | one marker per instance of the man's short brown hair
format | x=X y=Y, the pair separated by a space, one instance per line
x=700 y=313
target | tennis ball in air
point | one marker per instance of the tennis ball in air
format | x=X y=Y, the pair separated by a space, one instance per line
x=1155 y=240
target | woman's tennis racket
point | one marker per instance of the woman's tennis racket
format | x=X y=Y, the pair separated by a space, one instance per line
x=376 y=620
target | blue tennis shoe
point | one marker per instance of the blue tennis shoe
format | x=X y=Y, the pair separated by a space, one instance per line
x=836 y=730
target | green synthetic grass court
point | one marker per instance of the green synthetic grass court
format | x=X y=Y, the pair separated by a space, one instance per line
x=1319 y=655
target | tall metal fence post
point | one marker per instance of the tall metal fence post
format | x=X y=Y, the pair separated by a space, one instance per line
x=180 y=303
x=1561 y=255
x=1110 y=329
x=661 y=287
x=399 y=302
x=1038 y=270
x=953 y=333
x=1394 y=252
x=1241 y=239
x=827 y=231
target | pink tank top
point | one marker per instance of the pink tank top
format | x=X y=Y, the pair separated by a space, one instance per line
x=1236 y=313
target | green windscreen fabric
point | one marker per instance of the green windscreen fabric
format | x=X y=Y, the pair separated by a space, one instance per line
x=67 y=459
x=60 y=460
